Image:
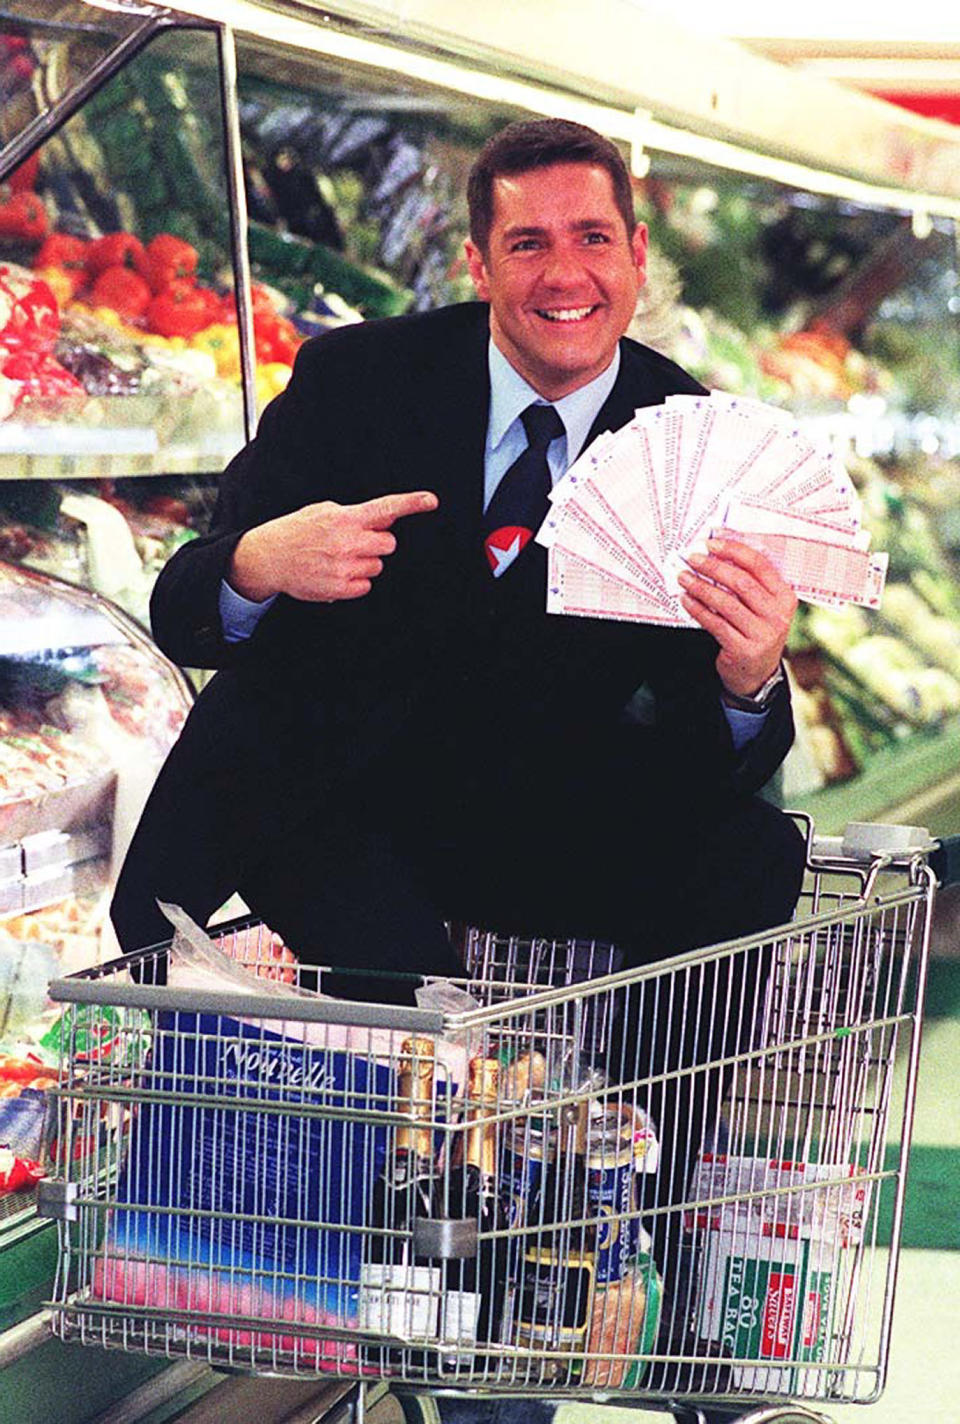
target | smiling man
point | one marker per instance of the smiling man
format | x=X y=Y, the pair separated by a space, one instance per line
x=399 y=734
x=561 y=265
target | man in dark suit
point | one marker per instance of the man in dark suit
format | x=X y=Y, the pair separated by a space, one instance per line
x=402 y=736
x=398 y=733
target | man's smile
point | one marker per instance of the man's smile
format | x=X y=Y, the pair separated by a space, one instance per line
x=566 y=313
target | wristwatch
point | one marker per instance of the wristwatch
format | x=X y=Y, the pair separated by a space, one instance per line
x=760 y=699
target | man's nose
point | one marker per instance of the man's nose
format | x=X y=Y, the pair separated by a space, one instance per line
x=563 y=267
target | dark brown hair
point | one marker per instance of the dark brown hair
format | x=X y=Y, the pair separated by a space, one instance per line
x=538 y=143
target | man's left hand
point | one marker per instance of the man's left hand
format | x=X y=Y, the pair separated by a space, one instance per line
x=737 y=595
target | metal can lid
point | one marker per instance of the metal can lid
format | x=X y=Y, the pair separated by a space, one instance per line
x=610 y=1137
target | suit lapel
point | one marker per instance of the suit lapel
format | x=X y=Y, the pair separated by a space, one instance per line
x=455 y=426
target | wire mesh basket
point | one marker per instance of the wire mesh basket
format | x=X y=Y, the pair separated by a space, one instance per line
x=676 y=1181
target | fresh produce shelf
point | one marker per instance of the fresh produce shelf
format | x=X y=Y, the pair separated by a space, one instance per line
x=892 y=776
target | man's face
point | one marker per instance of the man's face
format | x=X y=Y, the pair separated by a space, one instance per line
x=560 y=274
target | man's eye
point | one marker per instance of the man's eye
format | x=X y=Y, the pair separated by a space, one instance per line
x=596 y=238
x=525 y=244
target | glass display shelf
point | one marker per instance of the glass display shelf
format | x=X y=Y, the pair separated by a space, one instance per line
x=841 y=311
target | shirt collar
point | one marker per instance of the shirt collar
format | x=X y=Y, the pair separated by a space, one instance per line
x=510 y=394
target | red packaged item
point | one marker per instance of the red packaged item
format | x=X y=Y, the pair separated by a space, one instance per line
x=29 y=314
x=18 y=1174
x=39 y=377
x=21 y=1070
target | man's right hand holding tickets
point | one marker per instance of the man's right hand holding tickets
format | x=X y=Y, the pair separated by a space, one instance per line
x=324 y=552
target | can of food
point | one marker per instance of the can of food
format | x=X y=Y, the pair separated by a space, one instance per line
x=523 y=1161
x=554 y=1295
x=611 y=1193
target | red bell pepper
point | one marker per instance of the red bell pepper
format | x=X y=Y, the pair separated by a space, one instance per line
x=181 y=309
x=67 y=254
x=261 y=304
x=23 y=216
x=40 y=377
x=18 y=1173
x=261 y=301
x=277 y=339
x=21 y=1070
x=286 y=342
x=169 y=259
x=122 y=290
x=115 y=249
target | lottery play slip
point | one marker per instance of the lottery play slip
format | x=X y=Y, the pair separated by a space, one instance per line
x=640 y=500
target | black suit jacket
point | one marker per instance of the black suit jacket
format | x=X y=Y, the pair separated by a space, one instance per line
x=438 y=651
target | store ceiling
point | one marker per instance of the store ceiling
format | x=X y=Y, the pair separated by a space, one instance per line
x=909 y=55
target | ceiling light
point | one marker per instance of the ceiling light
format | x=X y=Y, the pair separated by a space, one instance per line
x=635 y=127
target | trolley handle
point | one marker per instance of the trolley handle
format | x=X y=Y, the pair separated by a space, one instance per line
x=353 y=1013
x=945 y=860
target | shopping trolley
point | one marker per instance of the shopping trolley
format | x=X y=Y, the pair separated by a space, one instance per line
x=679 y=1184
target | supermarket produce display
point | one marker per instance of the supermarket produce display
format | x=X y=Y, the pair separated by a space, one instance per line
x=834 y=313
x=119 y=339
x=118 y=324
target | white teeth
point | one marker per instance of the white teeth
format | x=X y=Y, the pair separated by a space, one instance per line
x=568 y=314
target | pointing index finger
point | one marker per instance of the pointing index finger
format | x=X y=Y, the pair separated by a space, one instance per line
x=380 y=513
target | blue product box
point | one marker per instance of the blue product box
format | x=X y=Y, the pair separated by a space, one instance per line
x=237 y=1194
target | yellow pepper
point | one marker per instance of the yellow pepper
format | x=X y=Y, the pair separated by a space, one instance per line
x=107 y=315
x=223 y=344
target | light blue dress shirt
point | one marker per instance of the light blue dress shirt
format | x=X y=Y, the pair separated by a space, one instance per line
x=510 y=395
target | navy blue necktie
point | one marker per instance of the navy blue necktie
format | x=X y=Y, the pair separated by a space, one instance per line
x=521 y=499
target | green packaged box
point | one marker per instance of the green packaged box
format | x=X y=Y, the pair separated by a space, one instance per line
x=768 y=1302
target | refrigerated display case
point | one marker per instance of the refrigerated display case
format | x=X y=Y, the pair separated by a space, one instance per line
x=88 y=710
x=113 y=231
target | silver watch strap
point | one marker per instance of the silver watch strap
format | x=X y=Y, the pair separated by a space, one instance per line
x=759 y=700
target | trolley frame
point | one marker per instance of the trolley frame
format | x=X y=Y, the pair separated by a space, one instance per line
x=789 y=1059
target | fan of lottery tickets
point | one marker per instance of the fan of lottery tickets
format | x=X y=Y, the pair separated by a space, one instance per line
x=639 y=500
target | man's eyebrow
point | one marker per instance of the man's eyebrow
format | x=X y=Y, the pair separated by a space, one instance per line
x=524 y=230
x=579 y=225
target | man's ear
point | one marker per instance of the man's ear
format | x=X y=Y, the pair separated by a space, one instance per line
x=477 y=269
x=639 y=244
